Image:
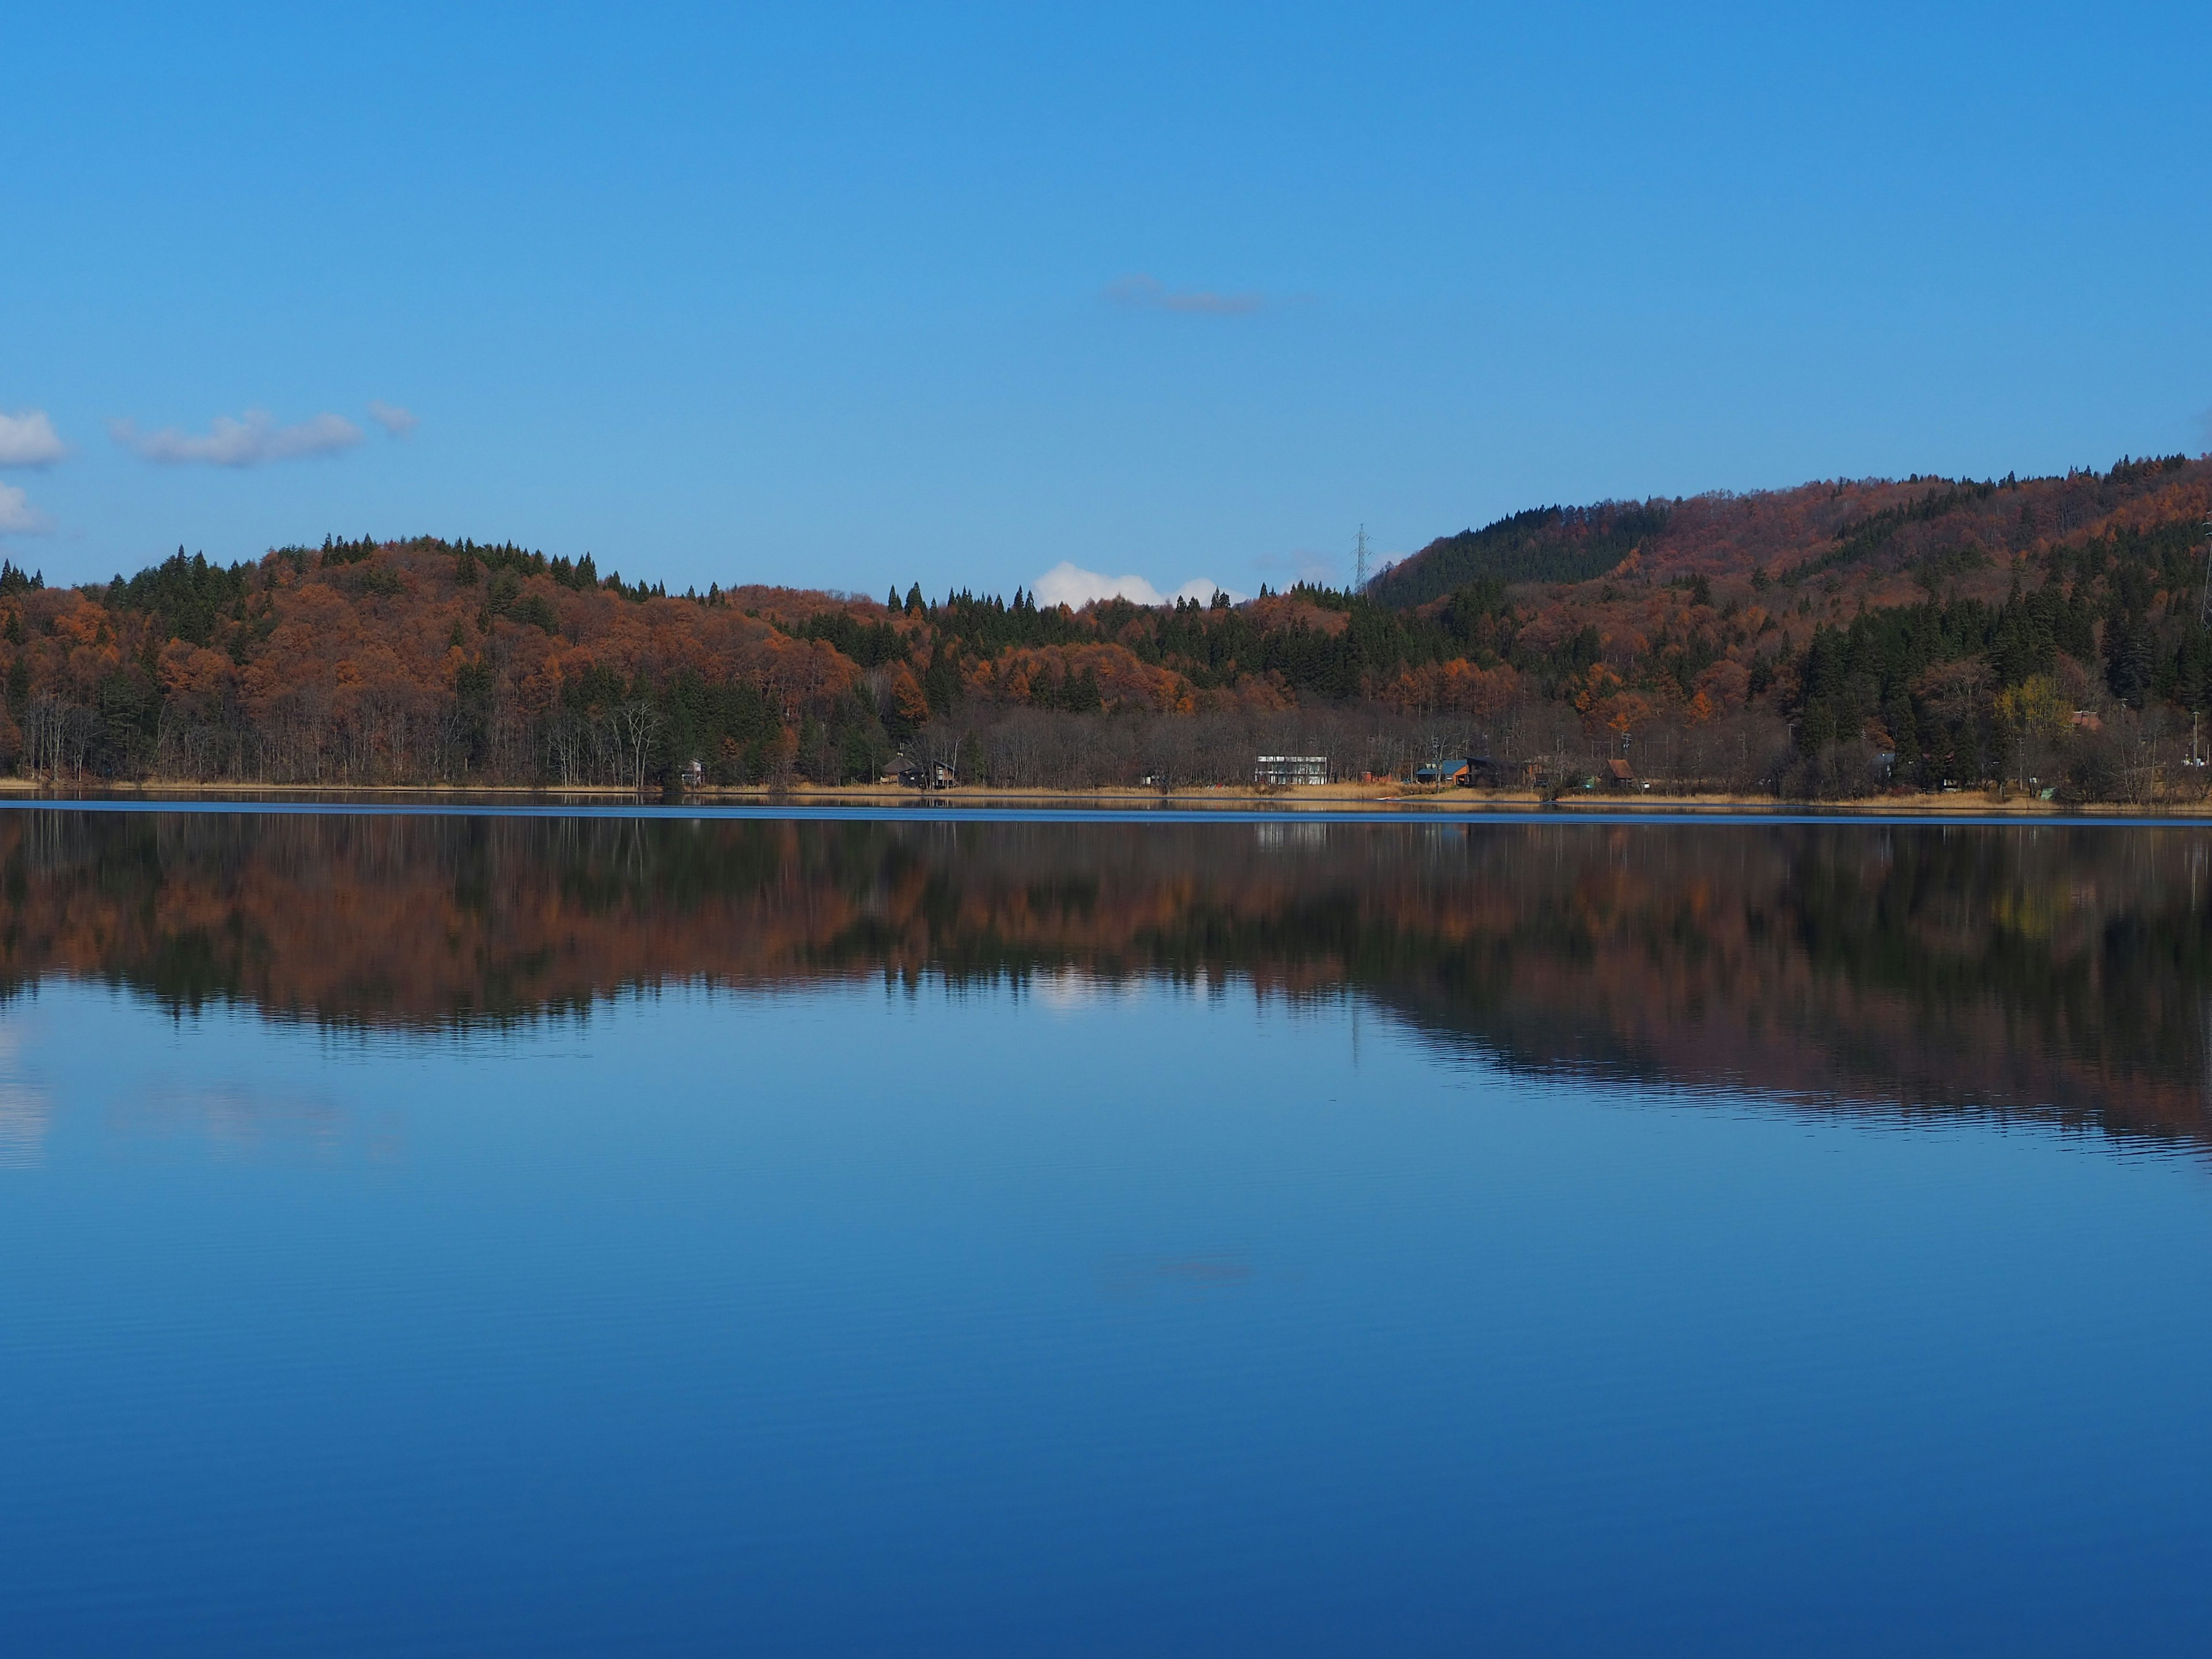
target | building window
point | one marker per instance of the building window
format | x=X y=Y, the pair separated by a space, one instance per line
x=1286 y=769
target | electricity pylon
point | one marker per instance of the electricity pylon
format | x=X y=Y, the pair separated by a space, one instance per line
x=2205 y=604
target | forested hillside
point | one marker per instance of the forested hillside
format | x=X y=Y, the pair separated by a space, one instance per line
x=1835 y=638
x=1544 y=545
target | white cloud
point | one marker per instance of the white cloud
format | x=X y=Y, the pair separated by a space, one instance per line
x=1143 y=293
x=29 y=440
x=249 y=442
x=399 y=423
x=1065 y=584
x=18 y=517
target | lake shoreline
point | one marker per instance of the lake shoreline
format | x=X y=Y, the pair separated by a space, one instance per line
x=1381 y=800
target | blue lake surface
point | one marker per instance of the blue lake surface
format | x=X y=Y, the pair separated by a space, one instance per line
x=481 y=1234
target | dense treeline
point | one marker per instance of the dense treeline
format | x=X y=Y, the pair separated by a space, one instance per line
x=1837 y=638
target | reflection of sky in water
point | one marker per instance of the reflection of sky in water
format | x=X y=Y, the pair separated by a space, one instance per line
x=827 y=1321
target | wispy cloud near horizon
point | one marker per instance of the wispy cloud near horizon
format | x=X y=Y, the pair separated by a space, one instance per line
x=29 y=440
x=1140 y=292
x=254 y=440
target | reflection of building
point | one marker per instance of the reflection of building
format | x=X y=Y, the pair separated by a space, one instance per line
x=1282 y=769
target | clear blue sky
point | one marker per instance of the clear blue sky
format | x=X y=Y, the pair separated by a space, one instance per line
x=849 y=295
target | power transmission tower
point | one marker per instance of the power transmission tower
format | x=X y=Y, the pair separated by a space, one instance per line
x=1360 y=564
x=2203 y=620
x=2205 y=604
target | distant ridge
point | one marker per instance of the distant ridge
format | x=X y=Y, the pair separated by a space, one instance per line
x=1859 y=529
x=1542 y=544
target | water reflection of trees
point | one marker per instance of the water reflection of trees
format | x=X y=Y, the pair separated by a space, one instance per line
x=2062 y=972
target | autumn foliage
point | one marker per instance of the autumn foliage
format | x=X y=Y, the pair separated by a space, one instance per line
x=1873 y=632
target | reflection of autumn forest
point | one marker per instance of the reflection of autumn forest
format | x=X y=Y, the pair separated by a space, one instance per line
x=1835 y=638
x=2053 y=972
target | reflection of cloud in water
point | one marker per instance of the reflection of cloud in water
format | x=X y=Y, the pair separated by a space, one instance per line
x=1140 y=1278
x=24 y=1110
x=234 y=1119
x=22 y=1125
x=1203 y=1270
x=1065 y=990
x=1072 y=990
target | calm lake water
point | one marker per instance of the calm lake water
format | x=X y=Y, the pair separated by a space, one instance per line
x=535 y=1235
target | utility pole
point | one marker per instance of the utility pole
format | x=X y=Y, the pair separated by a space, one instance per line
x=1359 y=565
